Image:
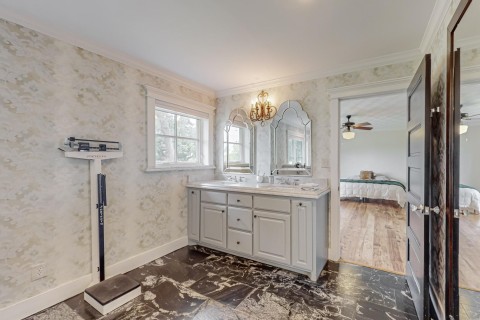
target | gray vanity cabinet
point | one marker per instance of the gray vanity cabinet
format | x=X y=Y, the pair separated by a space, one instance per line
x=271 y=239
x=240 y=223
x=271 y=225
x=302 y=234
x=285 y=231
x=213 y=218
x=194 y=214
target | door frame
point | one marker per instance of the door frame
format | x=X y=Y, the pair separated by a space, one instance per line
x=336 y=95
x=452 y=305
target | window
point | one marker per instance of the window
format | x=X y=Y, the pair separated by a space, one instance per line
x=177 y=138
x=234 y=145
x=295 y=147
x=179 y=131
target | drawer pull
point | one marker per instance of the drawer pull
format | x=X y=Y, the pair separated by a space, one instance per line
x=238 y=242
x=238 y=219
x=238 y=200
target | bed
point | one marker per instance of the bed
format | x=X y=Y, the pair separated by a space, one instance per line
x=380 y=187
x=469 y=199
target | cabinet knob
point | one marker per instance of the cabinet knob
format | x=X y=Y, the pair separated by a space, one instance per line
x=238 y=219
x=255 y=216
x=238 y=242
x=223 y=211
x=238 y=200
x=300 y=204
x=193 y=192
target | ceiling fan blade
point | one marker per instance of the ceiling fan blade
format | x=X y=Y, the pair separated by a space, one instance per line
x=363 y=128
x=362 y=124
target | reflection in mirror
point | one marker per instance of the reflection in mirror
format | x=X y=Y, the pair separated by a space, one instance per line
x=468 y=194
x=291 y=141
x=238 y=144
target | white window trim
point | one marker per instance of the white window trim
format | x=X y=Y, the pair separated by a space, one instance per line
x=153 y=95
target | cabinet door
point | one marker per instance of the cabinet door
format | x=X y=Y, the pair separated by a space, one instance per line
x=213 y=225
x=302 y=233
x=271 y=238
x=194 y=214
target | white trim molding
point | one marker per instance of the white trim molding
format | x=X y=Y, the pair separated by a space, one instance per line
x=394 y=58
x=336 y=96
x=69 y=289
x=178 y=103
x=436 y=19
x=62 y=35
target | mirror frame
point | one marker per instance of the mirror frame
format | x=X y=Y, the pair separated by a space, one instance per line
x=305 y=121
x=239 y=116
x=452 y=303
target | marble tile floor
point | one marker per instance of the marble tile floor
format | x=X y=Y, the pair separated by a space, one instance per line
x=200 y=283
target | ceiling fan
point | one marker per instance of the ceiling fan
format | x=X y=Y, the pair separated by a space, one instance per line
x=349 y=126
x=464 y=116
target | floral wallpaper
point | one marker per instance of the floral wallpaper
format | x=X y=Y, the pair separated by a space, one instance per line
x=50 y=90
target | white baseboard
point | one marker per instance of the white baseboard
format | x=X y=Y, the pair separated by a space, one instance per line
x=145 y=257
x=27 y=307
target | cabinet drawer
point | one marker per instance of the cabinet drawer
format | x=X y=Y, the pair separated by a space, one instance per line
x=240 y=200
x=214 y=197
x=240 y=241
x=240 y=218
x=272 y=204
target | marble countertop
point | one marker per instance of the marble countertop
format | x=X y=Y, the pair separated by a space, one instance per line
x=261 y=188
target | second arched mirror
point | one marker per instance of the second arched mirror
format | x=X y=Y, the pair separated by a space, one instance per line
x=291 y=141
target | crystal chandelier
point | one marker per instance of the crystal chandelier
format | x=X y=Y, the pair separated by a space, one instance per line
x=262 y=110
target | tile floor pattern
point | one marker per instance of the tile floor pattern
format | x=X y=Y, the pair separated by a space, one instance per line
x=200 y=283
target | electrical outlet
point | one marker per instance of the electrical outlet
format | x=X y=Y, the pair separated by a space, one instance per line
x=39 y=271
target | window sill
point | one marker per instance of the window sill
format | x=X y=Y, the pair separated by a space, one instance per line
x=179 y=168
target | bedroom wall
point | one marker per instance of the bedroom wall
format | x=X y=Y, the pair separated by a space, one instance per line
x=50 y=90
x=469 y=156
x=383 y=152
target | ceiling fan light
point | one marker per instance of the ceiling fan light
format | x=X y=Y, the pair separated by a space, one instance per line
x=463 y=128
x=347 y=134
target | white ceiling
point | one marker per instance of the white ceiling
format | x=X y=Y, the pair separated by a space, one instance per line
x=226 y=44
x=385 y=112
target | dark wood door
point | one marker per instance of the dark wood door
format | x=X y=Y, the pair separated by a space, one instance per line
x=452 y=269
x=418 y=187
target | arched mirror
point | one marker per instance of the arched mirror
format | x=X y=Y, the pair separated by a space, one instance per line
x=291 y=141
x=463 y=172
x=239 y=144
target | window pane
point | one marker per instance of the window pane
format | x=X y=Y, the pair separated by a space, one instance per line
x=234 y=134
x=164 y=149
x=234 y=153
x=164 y=123
x=187 y=127
x=187 y=150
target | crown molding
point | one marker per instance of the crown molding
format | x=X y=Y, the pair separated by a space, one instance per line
x=394 y=58
x=62 y=35
x=370 y=89
x=436 y=19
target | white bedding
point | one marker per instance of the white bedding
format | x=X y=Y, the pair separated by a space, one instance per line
x=469 y=200
x=373 y=191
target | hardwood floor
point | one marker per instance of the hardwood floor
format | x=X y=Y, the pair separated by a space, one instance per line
x=469 y=252
x=373 y=234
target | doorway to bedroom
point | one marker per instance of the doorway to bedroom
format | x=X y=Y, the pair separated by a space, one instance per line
x=373 y=167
